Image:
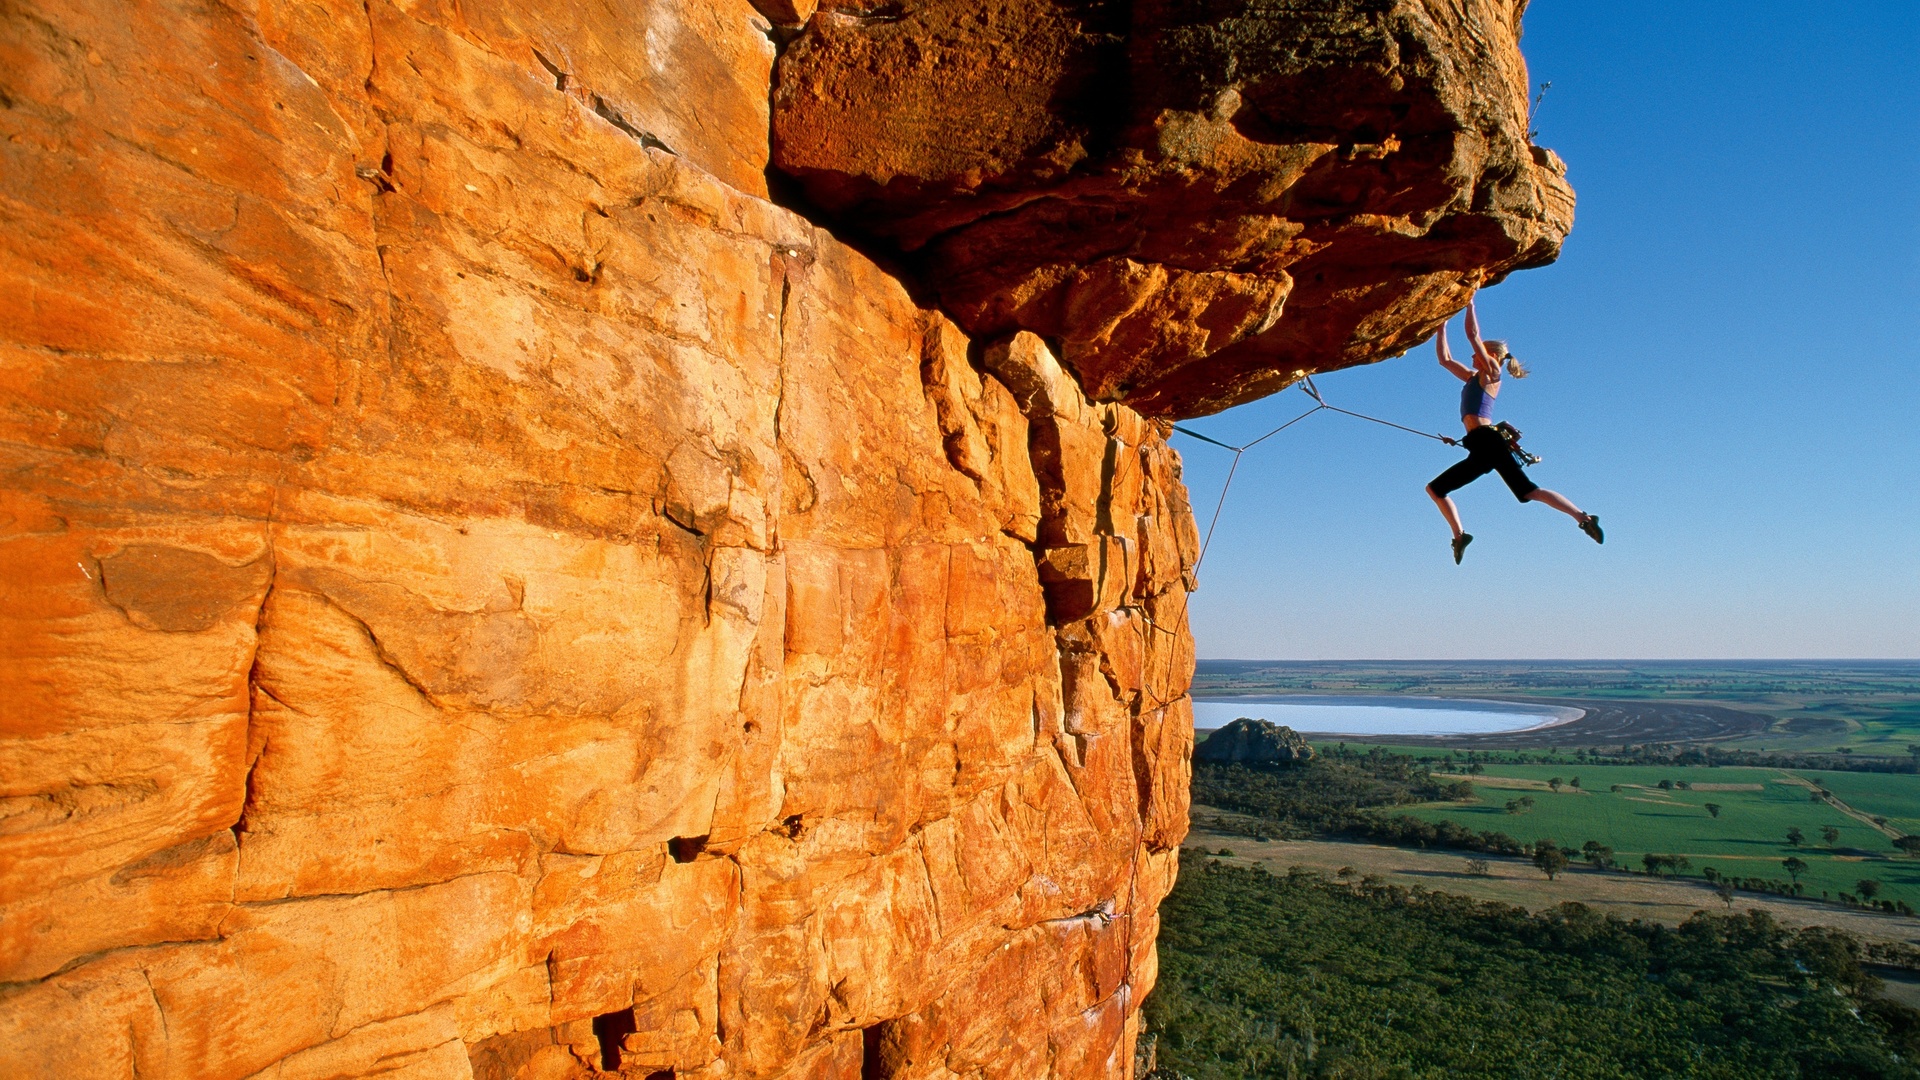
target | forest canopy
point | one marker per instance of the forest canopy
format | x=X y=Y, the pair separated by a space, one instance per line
x=1295 y=976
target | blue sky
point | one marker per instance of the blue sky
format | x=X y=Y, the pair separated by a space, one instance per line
x=1725 y=370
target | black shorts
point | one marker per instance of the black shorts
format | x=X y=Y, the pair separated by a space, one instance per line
x=1486 y=452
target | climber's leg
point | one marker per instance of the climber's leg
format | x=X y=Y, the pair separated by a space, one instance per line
x=1589 y=523
x=1447 y=510
x=1457 y=476
x=1557 y=501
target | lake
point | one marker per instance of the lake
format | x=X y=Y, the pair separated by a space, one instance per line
x=1380 y=715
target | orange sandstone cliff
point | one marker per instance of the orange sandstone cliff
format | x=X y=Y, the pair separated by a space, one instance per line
x=544 y=538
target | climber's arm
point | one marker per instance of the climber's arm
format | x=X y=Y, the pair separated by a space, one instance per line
x=1446 y=356
x=1481 y=359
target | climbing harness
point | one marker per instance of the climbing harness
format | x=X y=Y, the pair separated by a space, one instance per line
x=1312 y=391
x=1511 y=434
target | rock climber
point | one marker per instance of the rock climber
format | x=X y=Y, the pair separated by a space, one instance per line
x=1488 y=449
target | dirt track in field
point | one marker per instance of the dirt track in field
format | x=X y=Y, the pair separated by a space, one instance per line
x=1834 y=801
x=1516 y=881
x=1510 y=783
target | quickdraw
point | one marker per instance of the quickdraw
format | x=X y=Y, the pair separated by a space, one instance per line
x=1511 y=435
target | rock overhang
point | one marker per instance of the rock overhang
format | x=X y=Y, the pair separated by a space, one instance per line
x=1195 y=203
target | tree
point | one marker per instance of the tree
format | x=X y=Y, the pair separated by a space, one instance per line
x=1724 y=890
x=1908 y=844
x=1598 y=855
x=1575 y=782
x=1666 y=785
x=1830 y=834
x=1549 y=858
x=1555 y=783
x=1713 y=809
x=1659 y=865
x=1479 y=867
x=1795 y=837
x=1816 y=795
x=1868 y=888
x=1794 y=865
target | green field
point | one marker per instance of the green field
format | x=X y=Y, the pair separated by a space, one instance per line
x=1896 y=798
x=1748 y=839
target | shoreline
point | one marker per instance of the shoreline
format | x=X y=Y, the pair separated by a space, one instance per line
x=1552 y=715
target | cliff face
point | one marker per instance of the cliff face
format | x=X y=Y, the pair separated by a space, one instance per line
x=488 y=593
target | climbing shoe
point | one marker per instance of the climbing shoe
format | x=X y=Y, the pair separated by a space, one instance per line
x=1460 y=545
x=1591 y=527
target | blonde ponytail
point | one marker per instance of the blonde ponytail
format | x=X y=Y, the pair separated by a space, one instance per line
x=1503 y=357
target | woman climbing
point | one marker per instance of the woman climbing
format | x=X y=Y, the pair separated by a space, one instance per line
x=1487 y=449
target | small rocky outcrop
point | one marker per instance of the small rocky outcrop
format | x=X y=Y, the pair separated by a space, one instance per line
x=1254 y=742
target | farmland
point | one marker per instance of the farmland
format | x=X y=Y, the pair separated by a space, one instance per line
x=1896 y=798
x=1514 y=880
x=1626 y=808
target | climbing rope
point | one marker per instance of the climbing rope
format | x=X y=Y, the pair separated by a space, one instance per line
x=1235 y=467
x=1312 y=391
x=1148 y=622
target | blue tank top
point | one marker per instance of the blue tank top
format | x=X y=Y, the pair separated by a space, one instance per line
x=1475 y=401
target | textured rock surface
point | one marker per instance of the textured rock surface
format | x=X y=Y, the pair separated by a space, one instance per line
x=1196 y=201
x=488 y=594
x=1254 y=742
x=484 y=592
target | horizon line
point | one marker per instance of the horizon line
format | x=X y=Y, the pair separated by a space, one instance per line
x=1573 y=660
